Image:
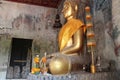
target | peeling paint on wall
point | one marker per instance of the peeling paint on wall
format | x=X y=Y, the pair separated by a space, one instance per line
x=28 y=22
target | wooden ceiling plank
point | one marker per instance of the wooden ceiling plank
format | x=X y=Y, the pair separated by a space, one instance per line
x=46 y=3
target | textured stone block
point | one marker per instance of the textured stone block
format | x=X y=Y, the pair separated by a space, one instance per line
x=9 y=73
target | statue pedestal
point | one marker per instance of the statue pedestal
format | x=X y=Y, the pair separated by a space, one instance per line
x=78 y=76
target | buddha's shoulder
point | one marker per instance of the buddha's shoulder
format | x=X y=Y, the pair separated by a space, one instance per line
x=75 y=20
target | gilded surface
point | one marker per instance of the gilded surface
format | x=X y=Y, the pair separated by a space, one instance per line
x=67 y=31
x=60 y=65
x=72 y=30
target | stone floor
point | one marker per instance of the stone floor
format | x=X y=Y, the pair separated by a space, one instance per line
x=78 y=76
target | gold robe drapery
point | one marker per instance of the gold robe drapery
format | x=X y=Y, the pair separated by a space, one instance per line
x=67 y=31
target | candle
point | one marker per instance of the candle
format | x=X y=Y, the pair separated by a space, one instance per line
x=90 y=34
x=88 y=17
x=87 y=9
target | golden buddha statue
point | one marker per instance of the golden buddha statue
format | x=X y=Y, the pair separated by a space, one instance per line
x=71 y=35
x=70 y=40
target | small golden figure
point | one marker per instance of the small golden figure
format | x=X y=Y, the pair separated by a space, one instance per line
x=36 y=68
x=43 y=66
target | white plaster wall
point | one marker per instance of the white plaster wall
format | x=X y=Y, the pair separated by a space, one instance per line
x=9 y=12
x=116 y=23
x=116 y=17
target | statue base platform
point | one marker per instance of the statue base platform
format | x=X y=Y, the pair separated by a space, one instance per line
x=77 y=76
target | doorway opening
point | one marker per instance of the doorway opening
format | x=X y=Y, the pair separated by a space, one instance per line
x=20 y=59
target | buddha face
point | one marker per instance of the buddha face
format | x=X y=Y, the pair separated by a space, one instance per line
x=67 y=10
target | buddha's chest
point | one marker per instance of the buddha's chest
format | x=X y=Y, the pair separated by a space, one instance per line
x=70 y=42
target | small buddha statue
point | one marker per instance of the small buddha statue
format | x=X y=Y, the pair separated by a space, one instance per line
x=70 y=40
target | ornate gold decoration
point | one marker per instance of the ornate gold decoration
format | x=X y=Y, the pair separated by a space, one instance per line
x=90 y=38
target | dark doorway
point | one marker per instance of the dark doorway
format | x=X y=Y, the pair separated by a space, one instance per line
x=19 y=51
x=20 y=56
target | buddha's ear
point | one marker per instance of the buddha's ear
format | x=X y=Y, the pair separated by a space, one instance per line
x=76 y=8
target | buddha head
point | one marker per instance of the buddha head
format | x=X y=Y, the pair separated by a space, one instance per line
x=70 y=9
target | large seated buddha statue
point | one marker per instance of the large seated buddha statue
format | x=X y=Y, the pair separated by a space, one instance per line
x=70 y=40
